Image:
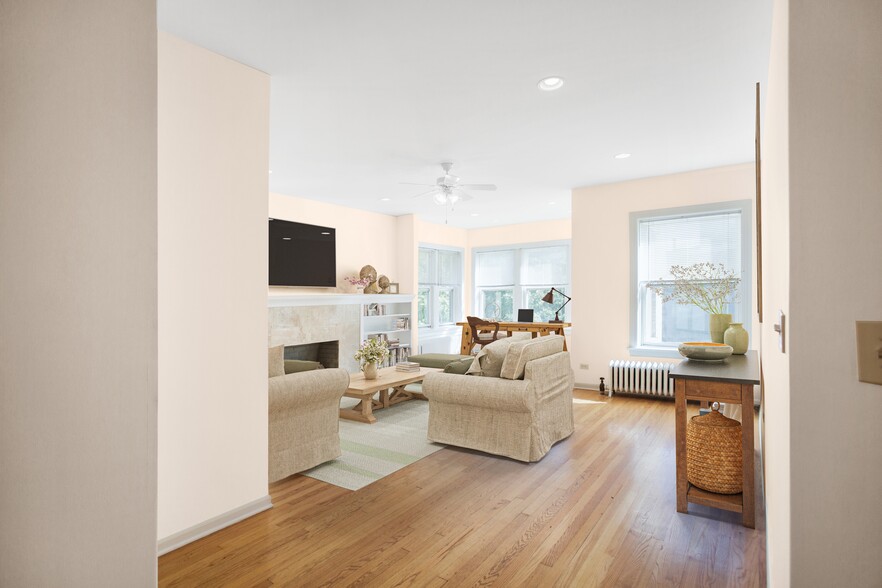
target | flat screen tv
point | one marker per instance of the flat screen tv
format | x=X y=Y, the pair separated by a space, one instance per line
x=302 y=255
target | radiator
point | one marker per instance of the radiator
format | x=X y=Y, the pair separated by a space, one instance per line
x=646 y=378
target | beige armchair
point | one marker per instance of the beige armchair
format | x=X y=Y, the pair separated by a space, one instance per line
x=521 y=417
x=304 y=425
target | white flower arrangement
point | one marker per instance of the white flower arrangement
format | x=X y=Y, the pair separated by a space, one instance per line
x=709 y=286
x=372 y=351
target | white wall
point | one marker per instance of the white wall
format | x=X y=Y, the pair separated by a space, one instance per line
x=78 y=293
x=835 y=127
x=213 y=159
x=776 y=296
x=602 y=254
x=363 y=238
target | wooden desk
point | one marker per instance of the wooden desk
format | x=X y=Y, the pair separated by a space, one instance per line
x=536 y=329
x=730 y=381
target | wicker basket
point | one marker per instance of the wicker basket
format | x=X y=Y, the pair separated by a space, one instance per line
x=713 y=453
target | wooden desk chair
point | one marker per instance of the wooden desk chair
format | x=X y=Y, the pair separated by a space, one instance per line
x=484 y=338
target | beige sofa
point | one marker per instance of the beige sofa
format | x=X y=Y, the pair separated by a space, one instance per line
x=516 y=402
x=304 y=413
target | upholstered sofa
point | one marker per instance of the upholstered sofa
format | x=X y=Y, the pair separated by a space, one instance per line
x=517 y=400
x=304 y=410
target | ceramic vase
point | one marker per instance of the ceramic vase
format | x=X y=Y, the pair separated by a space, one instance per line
x=370 y=371
x=718 y=325
x=737 y=338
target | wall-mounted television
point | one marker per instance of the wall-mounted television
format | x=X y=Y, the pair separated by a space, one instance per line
x=302 y=255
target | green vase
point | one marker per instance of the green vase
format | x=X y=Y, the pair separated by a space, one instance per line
x=736 y=338
x=718 y=325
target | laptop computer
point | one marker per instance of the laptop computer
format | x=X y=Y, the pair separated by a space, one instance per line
x=525 y=315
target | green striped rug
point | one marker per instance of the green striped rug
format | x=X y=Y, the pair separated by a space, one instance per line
x=370 y=452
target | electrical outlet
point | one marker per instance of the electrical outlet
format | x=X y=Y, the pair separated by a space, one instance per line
x=583 y=366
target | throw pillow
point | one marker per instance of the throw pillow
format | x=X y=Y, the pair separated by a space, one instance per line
x=489 y=360
x=293 y=366
x=277 y=361
x=520 y=352
x=460 y=366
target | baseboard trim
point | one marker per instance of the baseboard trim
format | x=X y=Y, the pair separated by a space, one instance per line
x=592 y=387
x=213 y=524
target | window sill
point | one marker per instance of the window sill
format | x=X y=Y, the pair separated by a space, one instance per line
x=665 y=352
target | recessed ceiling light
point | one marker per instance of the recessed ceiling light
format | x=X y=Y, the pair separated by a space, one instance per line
x=385 y=199
x=474 y=214
x=550 y=83
x=271 y=171
x=552 y=202
x=623 y=156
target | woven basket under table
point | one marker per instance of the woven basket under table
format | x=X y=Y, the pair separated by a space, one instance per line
x=713 y=453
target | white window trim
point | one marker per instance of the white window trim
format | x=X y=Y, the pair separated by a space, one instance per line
x=746 y=292
x=435 y=327
x=518 y=288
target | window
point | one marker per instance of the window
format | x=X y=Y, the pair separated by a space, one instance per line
x=719 y=233
x=439 y=296
x=518 y=277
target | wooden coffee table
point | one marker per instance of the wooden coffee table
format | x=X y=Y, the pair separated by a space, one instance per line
x=390 y=384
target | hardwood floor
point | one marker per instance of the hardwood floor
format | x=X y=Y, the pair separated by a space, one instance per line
x=598 y=510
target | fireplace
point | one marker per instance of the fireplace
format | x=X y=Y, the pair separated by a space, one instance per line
x=326 y=353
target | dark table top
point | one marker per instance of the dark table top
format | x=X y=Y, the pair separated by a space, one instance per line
x=742 y=369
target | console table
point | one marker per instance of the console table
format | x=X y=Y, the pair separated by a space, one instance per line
x=535 y=329
x=729 y=381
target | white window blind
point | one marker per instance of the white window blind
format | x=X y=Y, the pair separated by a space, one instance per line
x=714 y=238
x=495 y=268
x=544 y=265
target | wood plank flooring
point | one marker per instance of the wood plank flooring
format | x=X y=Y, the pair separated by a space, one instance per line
x=598 y=510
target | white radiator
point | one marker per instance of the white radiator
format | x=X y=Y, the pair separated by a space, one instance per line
x=647 y=378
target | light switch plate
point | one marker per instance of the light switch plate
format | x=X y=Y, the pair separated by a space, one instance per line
x=869 y=351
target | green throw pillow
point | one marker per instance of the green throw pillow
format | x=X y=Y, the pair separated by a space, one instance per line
x=459 y=366
x=293 y=366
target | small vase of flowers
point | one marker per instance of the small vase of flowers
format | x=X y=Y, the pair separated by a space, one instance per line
x=709 y=286
x=358 y=282
x=371 y=353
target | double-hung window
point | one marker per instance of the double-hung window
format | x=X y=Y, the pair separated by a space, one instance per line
x=718 y=234
x=509 y=278
x=439 y=295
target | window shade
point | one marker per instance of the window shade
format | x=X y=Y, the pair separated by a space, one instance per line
x=544 y=265
x=714 y=238
x=495 y=268
x=449 y=267
x=427 y=271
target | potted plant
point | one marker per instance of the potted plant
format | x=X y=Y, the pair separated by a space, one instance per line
x=709 y=286
x=372 y=352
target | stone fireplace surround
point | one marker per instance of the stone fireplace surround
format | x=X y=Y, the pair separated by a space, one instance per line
x=302 y=319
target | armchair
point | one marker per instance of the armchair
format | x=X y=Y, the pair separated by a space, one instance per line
x=517 y=418
x=304 y=425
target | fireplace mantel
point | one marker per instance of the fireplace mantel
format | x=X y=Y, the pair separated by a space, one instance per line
x=335 y=299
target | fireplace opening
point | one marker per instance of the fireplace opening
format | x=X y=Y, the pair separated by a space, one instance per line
x=326 y=353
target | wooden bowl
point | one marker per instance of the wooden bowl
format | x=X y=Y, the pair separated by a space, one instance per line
x=704 y=350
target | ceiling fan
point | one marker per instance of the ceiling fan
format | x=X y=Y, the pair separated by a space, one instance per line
x=447 y=189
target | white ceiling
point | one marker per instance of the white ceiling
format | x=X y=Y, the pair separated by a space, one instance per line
x=369 y=94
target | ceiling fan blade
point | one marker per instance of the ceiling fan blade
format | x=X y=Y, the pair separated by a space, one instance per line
x=426 y=193
x=414 y=184
x=463 y=196
x=490 y=187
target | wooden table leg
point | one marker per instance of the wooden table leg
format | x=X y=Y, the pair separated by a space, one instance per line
x=682 y=482
x=465 y=347
x=560 y=332
x=362 y=412
x=748 y=497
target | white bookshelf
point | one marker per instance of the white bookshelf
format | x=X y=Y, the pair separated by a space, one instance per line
x=392 y=319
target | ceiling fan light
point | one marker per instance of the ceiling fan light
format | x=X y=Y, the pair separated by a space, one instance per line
x=440 y=197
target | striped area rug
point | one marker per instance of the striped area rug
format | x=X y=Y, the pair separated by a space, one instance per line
x=370 y=452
